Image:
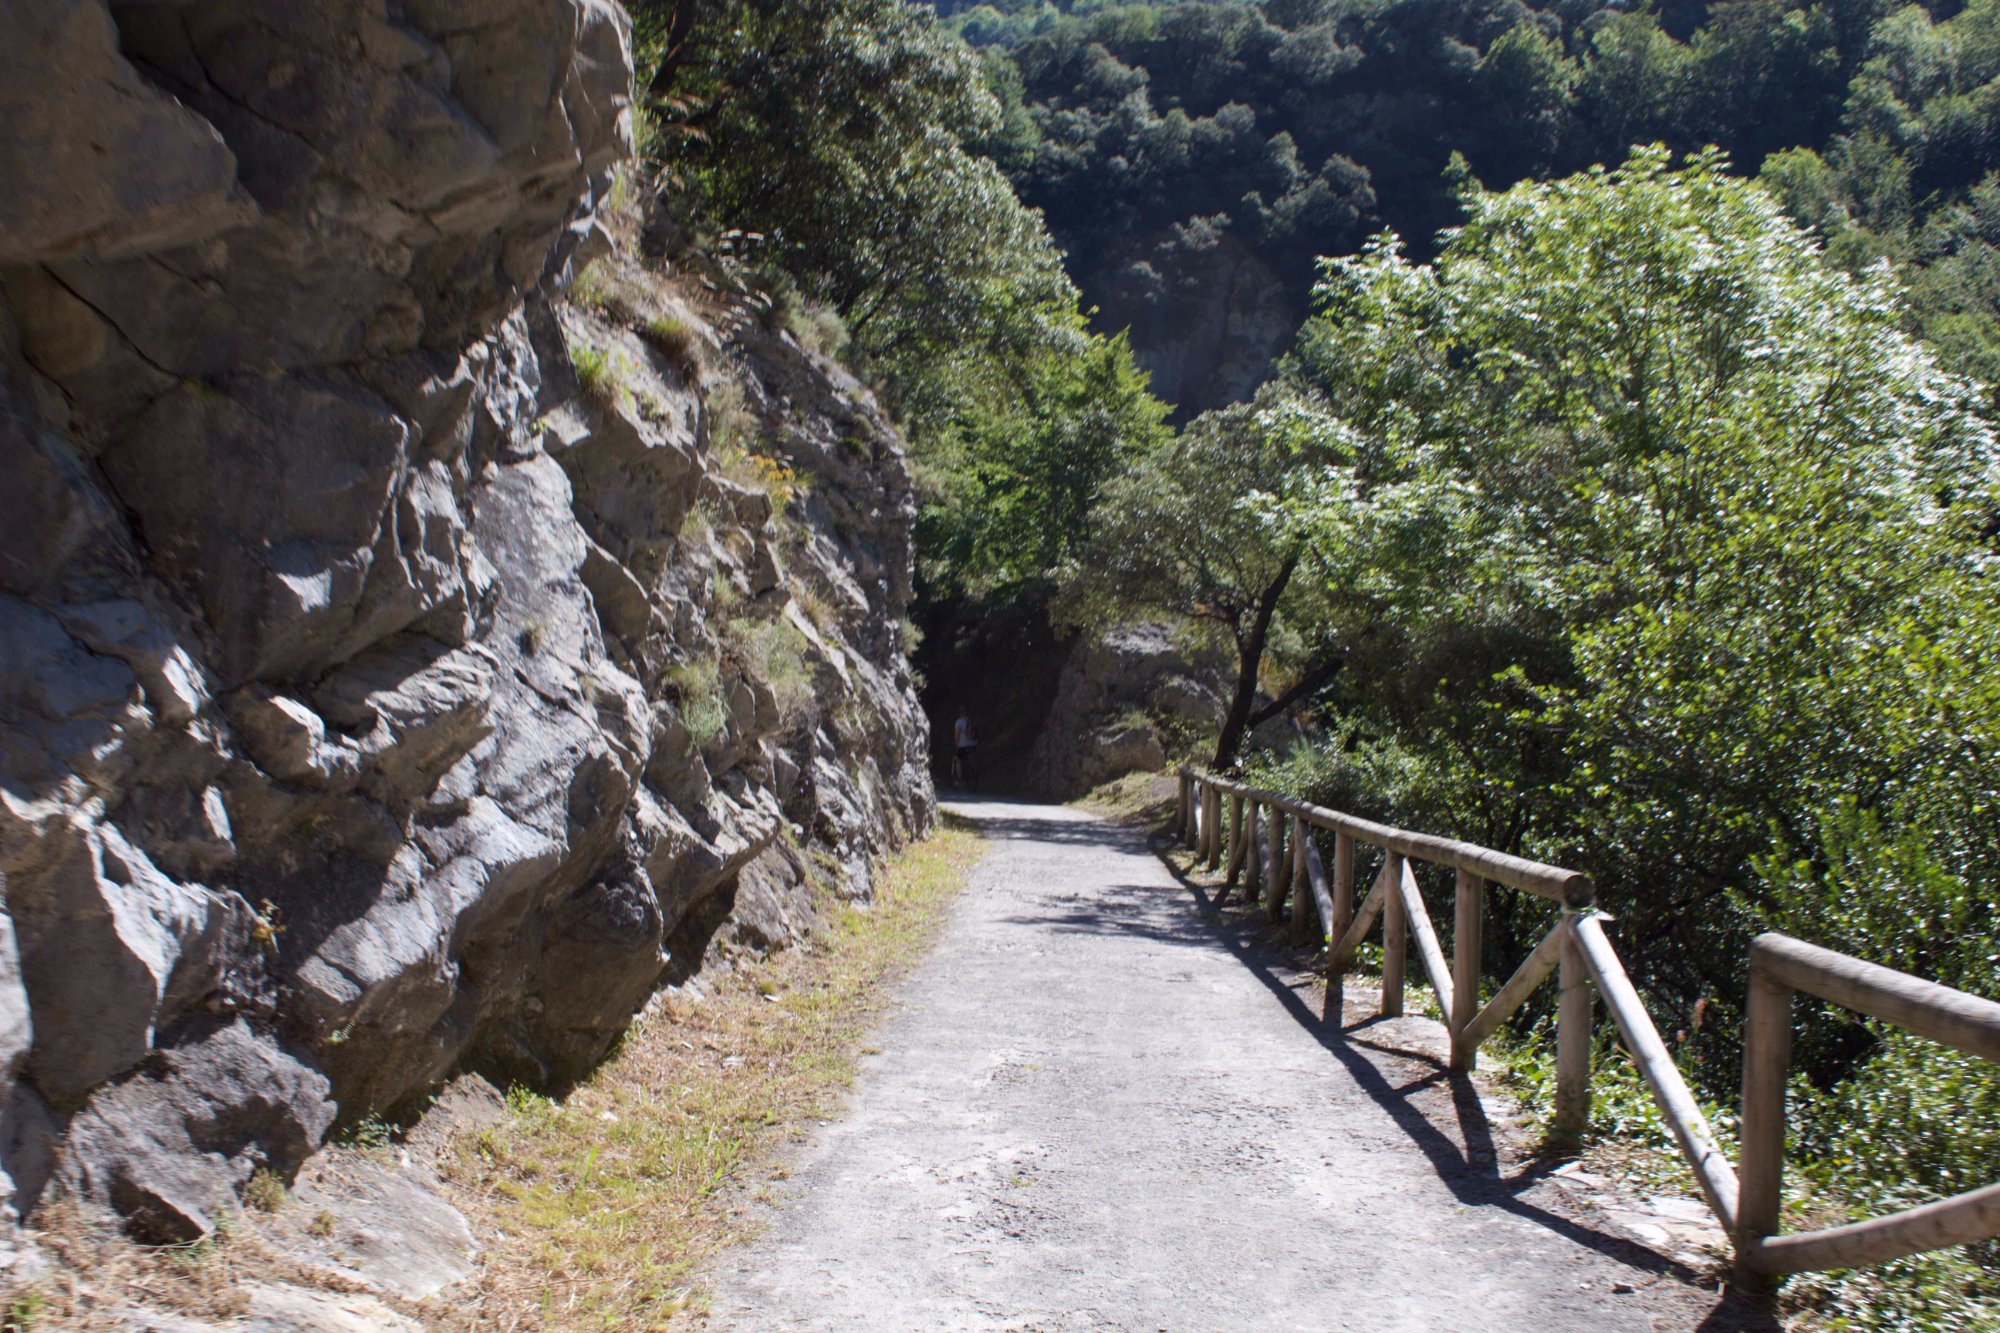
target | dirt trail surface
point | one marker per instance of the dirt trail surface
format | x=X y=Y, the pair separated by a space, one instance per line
x=1097 y=1107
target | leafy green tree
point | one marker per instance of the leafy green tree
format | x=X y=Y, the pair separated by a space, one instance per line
x=1529 y=82
x=1955 y=287
x=1022 y=478
x=1683 y=548
x=1686 y=502
x=835 y=133
x=1192 y=532
x=1933 y=90
x=834 y=129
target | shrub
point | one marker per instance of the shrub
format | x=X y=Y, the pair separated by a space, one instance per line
x=705 y=718
x=694 y=678
x=729 y=420
x=760 y=472
x=697 y=687
x=265 y=1191
x=592 y=287
x=777 y=654
x=819 y=329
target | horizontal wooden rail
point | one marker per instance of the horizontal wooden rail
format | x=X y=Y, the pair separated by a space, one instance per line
x=1253 y=841
x=1959 y=1220
x=1949 y=1017
x=1780 y=966
x=1745 y=1198
x=1547 y=881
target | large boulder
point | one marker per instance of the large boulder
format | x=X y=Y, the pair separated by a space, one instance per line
x=118 y=167
x=170 y=1147
x=1123 y=697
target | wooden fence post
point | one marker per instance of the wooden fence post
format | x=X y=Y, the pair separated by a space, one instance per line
x=1767 y=1061
x=1304 y=907
x=1184 y=809
x=1343 y=886
x=1235 y=836
x=1253 y=852
x=1343 y=917
x=1279 y=881
x=1573 y=1016
x=1215 y=851
x=1466 y=945
x=1395 y=941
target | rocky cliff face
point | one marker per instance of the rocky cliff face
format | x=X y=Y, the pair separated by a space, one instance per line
x=1207 y=316
x=1128 y=697
x=379 y=695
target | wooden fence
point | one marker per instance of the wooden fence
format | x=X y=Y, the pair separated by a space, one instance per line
x=1267 y=843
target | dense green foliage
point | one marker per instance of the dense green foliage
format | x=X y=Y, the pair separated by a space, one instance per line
x=1679 y=553
x=1187 y=532
x=827 y=139
x=1145 y=131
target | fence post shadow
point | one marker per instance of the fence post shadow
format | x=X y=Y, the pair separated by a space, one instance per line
x=1469 y=1164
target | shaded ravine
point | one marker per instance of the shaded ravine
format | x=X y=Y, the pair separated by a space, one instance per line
x=1098 y=1108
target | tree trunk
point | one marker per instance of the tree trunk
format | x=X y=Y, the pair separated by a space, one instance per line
x=673 y=48
x=1249 y=659
x=1305 y=685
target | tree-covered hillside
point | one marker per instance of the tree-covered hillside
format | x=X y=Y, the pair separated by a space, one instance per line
x=1193 y=158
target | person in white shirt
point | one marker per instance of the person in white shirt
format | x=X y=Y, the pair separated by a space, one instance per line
x=965 y=741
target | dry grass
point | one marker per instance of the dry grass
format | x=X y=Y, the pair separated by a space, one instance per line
x=676 y=337
x=1143 y=798
x=96 y=1274
x=601 y=1210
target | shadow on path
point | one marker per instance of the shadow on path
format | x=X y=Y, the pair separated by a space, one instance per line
x=1471 y=1172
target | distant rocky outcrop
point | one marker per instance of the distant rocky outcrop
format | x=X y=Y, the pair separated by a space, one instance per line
x=379 y=698
x=1126 y=697
x=1207 y=315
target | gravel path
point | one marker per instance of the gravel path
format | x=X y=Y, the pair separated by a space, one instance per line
x=1099 y=1107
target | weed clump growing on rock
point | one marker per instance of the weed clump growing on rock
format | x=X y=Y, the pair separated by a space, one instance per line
x=265 y=1191
x=675 y=337
x=592 y=287
x=697 y=685
x=603 y=374
x=819 y=329
x=592 y=366
x=776 y=651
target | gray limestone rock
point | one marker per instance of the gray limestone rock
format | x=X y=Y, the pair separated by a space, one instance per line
x=29 y=1130
x=375 y=707
x=17 y=1025
x=119 y=167
x=110 y=949
x=169 y=1147
x=389 y=1232
x=1117 y=696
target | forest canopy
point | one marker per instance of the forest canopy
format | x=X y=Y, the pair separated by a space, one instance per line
x=1153 y=134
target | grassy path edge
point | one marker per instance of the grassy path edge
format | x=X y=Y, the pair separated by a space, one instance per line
x=601 y=1211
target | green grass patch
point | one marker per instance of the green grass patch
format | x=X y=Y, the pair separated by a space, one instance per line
x=604 y=374
x=675 y=337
